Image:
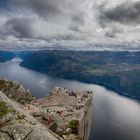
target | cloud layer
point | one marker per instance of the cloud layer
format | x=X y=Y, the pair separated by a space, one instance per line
x=89 y=21
x=125 y=13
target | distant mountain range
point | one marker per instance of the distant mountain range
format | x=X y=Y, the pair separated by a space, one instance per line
x=119 y=71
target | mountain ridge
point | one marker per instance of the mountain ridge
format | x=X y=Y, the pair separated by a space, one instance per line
x=119 y=71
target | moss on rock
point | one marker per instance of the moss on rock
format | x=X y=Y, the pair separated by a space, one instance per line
x=4 y=109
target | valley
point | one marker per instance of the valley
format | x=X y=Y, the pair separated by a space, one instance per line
x=119 y=71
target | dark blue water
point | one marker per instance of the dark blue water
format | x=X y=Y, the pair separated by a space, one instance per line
x=114 y=117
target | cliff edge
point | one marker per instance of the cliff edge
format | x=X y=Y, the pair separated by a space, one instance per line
x=68 y=113
x=16 y=91
x=18 y=124
x=62 y=115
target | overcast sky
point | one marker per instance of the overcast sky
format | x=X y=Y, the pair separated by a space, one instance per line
x=98 y=24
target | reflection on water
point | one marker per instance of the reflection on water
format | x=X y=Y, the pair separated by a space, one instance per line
x=114 y=117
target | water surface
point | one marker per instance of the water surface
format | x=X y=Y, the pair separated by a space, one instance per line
x=115 y=117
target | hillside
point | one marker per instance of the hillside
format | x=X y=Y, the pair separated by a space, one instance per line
x=5 y=56
x=119 y=71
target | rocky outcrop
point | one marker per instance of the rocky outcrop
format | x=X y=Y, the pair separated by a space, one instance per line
x=16 y=91
x=65 y=112
x=62 y=115
x=17 y=124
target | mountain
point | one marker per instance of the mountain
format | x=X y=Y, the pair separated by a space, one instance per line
x=5 y=56
x=119 y=71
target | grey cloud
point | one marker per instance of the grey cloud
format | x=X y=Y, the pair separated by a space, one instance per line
x=110 y=34
x=49 y=9
x=45 y=8
x=79 y=19
x=66 y=37
x=127 y=13
x=113 y=32
x=61 y=12
x=69 y=20
x=27 y=27
x=77 y=22
x=19 y=27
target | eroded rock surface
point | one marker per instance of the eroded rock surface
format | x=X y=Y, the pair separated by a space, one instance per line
x=16 y=91
x=17 y=124
x=63 y=112
x=62 y=115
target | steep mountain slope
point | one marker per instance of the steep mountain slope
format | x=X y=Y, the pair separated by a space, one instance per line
x=119 y=71
x=5 y=56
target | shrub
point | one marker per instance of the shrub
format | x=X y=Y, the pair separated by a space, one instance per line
x=74 y=125
x=4 y=109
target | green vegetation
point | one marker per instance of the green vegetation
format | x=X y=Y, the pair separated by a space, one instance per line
x=4 y=109
x=74 y=126
x=119 y=71
x=14 y=91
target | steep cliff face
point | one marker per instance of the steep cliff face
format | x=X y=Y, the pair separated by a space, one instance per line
x=16 y=91
x=86 y=120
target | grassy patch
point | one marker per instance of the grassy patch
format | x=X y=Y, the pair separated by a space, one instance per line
x=4 y=109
